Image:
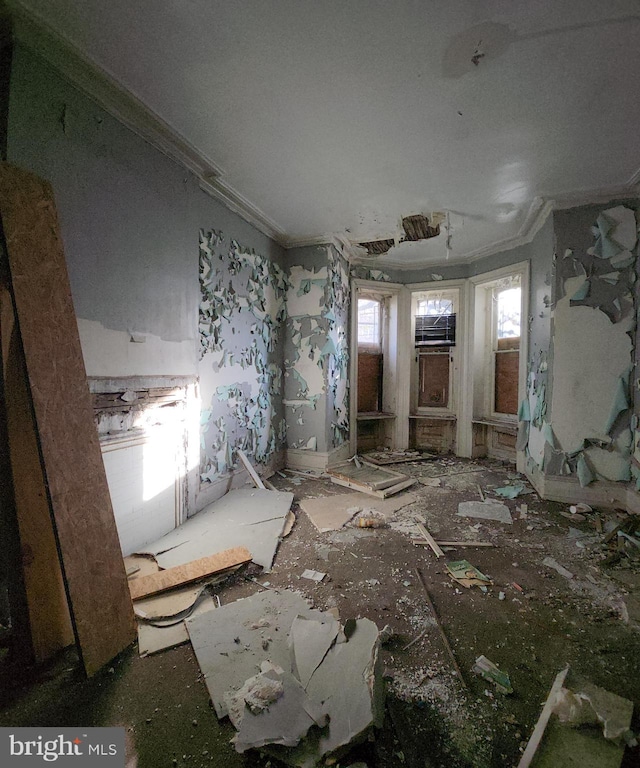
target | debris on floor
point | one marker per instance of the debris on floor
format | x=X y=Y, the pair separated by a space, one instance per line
x=247 y=517
x=551 y=563
x=580 y=724
x=485 y=510
x=308 y=716
x=490 y=672
x=180 y=575
x=370 y=479
x=313 y=575
x=383 y=458
x=331 y=513
x=279 y=667
x=467 y=575
x=510 y=491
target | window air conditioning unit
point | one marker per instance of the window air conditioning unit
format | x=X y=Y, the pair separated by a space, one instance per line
x=435 y=330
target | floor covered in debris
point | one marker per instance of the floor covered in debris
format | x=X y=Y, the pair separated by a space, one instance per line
x=581 y=607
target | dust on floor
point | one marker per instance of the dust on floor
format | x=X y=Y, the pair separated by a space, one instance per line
x=531 y=622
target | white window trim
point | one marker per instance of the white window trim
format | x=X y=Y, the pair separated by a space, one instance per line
x=451 y=289
x=469 y=413
x=492 y=337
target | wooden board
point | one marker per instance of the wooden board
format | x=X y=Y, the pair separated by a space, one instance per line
x=257 y=480
x=506 y=381
x=369 y=382
x=186 y=574
x=379 y=494
x=48 y=615
x=71 y=460
x=370 y=475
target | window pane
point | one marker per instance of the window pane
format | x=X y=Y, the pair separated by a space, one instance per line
x=435 y=307
x=368 y=321
x=509 y=313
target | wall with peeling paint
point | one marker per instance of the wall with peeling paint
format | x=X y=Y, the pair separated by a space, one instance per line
x=130 y=219
x=594 y=343
x=317 y=352
x=241 y=323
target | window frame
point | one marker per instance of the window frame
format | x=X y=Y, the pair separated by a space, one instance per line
x=453 y=294
x=506 y=283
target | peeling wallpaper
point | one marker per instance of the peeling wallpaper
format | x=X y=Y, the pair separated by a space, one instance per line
x=273 y=352
x=241 y=321
x=578 y=418
x=317 y=353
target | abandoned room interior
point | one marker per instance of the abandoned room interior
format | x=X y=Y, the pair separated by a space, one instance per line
x=319 y=390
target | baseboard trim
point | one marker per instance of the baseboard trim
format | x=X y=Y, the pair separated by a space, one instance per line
x=298 y=458
x=600 y=493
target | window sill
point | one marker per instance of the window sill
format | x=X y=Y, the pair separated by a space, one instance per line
x=507 y=425
x=434 y=416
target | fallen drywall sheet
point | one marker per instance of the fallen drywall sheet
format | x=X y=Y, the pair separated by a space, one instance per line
x=174 y=605
x=485 y=510
x=247 y=517
x=588 y=703
x=285 y=721
x=310 y=641
x=280 y=636
x=354 y=705
x=330 y=513
x=154 y=637
x=230 y=643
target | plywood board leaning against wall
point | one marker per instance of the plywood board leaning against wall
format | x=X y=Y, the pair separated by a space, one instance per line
x=71 y=461
x=47 y=611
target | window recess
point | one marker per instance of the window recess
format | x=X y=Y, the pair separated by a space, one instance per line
x=506 y=322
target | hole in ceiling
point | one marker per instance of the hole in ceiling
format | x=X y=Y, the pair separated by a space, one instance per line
x=418 y=228
x=378 y=247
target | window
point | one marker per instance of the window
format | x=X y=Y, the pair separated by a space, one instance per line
x=508 y=313
x=370 y=361
x=435 y=338
x=434 y=306
x=369 y=323
x=506 y=322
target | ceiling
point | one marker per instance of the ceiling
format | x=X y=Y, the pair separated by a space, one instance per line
x=326 y=117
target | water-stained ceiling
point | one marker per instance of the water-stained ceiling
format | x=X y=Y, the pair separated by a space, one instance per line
x=329 y=117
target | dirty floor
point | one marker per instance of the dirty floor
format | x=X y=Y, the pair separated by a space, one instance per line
x=531 y=622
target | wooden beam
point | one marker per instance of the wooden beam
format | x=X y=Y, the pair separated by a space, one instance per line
x=187 y=573
x=430 y=540
x=69 y=450
x=440 y=628
x=257 y=480
x=538 y=731
x=425 y=543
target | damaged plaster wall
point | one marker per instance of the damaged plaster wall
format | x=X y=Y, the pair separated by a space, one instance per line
x=242 y=313
x=129 y=218
x=317 y=352
x=589 y=432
